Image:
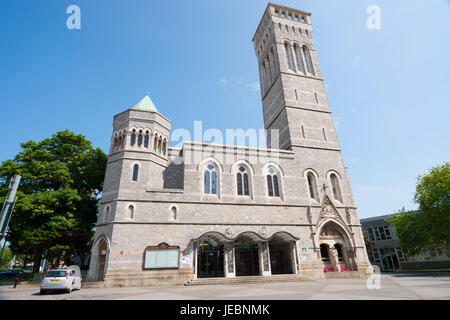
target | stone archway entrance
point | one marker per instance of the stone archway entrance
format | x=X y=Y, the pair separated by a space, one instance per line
x=102 y=252
x=281 y=255
x=246 y=253
x=210 y=258
x=335 y=248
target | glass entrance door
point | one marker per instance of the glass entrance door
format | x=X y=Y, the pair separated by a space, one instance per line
x=247 y=262
x=210 y=263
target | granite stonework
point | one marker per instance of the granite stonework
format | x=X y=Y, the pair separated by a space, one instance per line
x=167 y=204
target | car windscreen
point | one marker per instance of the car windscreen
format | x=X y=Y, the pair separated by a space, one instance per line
x=55 y=274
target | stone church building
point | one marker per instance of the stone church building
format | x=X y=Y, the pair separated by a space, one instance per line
x=170 y=215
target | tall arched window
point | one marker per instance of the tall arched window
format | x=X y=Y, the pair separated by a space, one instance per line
x=140 y=138
x=159 y=144
x=131 y=212
x=173 y=215
x=133 y=138
x=312 y=186
x=269 y=69
x=135 y=172
x=164 y=147
x=288 y=60
x=272 y=183
x=335 y=187
x=299 y=64
x=210 y=181
x=123 y=140
x=107 y=213
x=155 y=143
x=242 y=182
x=307 y=59
x=147 y=139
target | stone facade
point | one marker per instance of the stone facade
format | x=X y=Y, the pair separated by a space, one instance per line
x=222 y=229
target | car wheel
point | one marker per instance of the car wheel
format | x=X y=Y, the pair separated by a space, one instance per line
x=69 y=290
x=42 y=292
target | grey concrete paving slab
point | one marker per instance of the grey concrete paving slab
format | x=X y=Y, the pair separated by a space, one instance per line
x=391 y=287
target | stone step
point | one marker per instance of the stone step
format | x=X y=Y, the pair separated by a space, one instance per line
x=341 y=275
x=92 y=284
x=247 y=279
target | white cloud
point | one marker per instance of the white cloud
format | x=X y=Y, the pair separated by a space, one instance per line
x=253 y=85
x=234 y=83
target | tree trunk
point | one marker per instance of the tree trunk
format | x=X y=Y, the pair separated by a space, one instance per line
x=37 y=261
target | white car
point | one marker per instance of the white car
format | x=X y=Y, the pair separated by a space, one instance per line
x=66 y=279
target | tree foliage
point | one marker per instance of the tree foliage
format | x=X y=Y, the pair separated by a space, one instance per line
x=430 y=225
x=57 y=201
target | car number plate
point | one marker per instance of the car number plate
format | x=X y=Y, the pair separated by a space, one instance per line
x=54 y=280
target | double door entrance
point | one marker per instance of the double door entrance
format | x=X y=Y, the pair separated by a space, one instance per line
x=247 y=261
x=210 y=263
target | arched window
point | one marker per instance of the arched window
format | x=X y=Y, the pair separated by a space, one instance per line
x=135 y=172
x=131 y=212
x=164 y=147
x=263 y=76
x=286 y=51
x=107 y=213
x=210 y=181
x=173 y=213
x=115 y=144
x=242 y=182
x=298 y=60
x=307 y=59
x=270 y=76
x=123 y=141
x=147 y=139
x=119 y=143
x=312 y=186
x=159 y=144
x=155 y=143
x=133 y=138
x=335 y=187
x=140 y=138
x=272 y=183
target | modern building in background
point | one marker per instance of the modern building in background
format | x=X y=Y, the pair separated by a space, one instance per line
x=388 y=254
x=169 y=215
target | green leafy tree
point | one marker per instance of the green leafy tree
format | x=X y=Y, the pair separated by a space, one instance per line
x=430 y=225
x=57 y=201
x=7 y=257
x=367 y=241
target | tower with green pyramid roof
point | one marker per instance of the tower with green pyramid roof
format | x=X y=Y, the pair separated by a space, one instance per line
x=139 y=147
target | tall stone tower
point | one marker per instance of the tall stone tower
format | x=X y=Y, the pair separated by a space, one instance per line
x=297 y=117
x=293 y=92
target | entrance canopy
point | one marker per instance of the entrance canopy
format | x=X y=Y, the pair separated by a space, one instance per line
x=220 y=237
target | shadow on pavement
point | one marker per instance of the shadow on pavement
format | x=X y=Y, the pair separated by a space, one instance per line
x=429 y=274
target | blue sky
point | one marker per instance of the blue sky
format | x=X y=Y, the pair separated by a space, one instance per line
x=389 y=89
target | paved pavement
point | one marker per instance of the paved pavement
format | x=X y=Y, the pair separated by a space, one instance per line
x=408 y=286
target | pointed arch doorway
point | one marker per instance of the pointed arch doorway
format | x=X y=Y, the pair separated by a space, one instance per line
x=335 y=247
x=102 y=252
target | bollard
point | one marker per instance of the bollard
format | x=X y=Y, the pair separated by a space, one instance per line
x=15 y=282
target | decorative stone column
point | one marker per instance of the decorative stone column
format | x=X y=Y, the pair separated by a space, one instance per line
x=195 y=260
x=294 y=256
x=229 y=263
x=264 y=258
